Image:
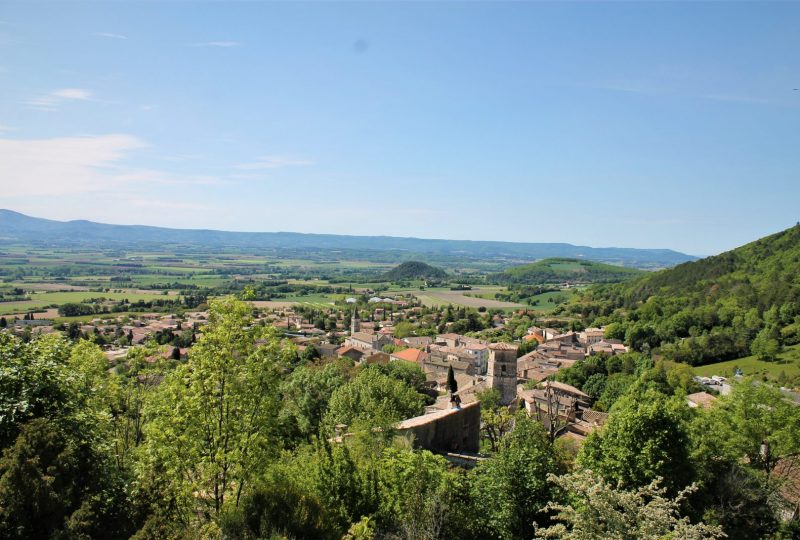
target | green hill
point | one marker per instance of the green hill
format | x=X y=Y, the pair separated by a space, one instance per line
x=414 y=270
x=745 y=301
x=561 y=270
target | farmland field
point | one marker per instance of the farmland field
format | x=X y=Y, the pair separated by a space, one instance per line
x=477 y=298
x=39 y=300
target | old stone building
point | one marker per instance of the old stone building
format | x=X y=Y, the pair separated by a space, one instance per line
x=502 y=371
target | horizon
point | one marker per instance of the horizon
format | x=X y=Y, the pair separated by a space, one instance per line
x=201 y=229
x=650 y=126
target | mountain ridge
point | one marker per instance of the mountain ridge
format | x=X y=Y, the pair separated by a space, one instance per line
x=15 y=226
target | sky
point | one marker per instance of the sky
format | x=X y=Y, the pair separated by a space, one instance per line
x=650 y=124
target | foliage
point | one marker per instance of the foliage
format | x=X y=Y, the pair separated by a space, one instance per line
x=53 y=483
x=212 y=420
x=646 y=437
x=278 y=506
x=416 y=493
x=372 y=399
x=599 y=511
x=558 y=270
x=718 y=308
x=305 y=395
x=414 y=270
x=496 y=420
x=512 y=487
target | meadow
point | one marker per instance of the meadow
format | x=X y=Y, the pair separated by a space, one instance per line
x=788 y=364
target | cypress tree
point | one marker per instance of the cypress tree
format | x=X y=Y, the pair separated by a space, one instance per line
x=452 y=385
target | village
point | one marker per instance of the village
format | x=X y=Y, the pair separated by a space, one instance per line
x=457 y=367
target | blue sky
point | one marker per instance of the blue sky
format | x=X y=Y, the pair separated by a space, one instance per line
x=605 y=124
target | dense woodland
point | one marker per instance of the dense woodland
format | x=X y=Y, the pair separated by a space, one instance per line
x=745 y=301
x=562 y=270
x=239 y=442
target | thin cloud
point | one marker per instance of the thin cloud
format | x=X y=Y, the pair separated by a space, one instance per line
x=223 y=44
x=752 y=100
x=65 y=165
x=51 y=100
x=110 y=35
x=4 y=127
x=272 y=162
x=158 y=204
x=81 y=165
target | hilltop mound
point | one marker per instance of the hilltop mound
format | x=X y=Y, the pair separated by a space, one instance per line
x=414 y=270
x=560 y=270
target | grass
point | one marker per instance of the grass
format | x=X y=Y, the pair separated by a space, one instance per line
x=788 y=363
x=542 y=304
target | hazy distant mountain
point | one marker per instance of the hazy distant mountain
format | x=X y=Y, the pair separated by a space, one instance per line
x=16 y=227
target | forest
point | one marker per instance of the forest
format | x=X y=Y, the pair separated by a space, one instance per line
x=745 y=301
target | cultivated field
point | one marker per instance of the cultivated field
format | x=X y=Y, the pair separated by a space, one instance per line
x=442 y=297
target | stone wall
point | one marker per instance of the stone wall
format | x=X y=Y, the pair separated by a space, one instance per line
x=451 y=430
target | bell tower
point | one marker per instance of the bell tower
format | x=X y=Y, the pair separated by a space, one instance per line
x=502 y=372
x=355 y=323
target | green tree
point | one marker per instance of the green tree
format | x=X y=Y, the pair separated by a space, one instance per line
x=305 y=396
x=416 y=493
x=372 y=399
x=35 y=382
x=212 y=420
x=496 y=420
x=452 y=384
x=403 y=329
x=766 y=345
x=54 y=484
x=512 y=487
x=646 y=437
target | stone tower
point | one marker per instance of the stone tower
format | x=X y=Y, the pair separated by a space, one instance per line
x=502 y=373
x=355 y=323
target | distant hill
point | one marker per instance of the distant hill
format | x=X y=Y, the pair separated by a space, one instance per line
x=19 y=228
x=561 y=270
x=745 y=301
x=414 y=270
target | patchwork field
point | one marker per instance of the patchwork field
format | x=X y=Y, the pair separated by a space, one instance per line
x=477 y=298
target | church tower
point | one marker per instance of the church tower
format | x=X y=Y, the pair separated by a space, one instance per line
x=355 y=323
x=502 y=372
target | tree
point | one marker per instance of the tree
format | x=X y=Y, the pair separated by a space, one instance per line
x=35 y=382
x=512 y=487
x=452 y=385
x=766 y=345
x=276 y=507
x=598 y=511
x=646 y=437
x=754 y=421
x=496 y=420
x=305 y=395
x=372 y=399
x=212 y=420
x=55 y=484
x=310 y=354
x=416 y=493
x=403 y=329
